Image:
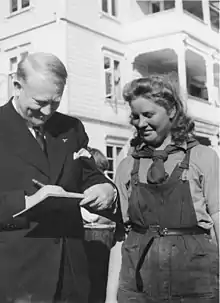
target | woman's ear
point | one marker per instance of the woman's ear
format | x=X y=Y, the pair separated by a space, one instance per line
x=172 y=113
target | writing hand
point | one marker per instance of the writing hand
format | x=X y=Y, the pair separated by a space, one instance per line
x=43 y=193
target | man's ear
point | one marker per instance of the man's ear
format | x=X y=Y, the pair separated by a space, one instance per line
x=17 y=88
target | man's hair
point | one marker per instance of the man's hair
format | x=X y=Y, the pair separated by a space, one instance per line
x=45 y=64
x=100 y=159
x=163 y=91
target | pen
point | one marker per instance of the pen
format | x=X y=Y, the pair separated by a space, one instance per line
x=38 y=183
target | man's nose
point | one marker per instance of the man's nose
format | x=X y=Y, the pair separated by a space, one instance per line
x=46 y=110
x=142 y=122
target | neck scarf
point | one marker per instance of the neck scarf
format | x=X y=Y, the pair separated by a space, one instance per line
x=156 y=173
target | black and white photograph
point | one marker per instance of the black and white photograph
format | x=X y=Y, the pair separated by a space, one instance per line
x=109 y=151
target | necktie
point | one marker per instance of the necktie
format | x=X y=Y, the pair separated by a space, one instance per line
x=156 y=173
x=40 y=138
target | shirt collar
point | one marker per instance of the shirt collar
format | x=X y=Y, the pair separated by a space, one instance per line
x=181 y=146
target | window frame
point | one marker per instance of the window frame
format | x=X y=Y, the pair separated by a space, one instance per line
x=216 y=10
x=17 y=53
x=116 y=75
x=161 y=4
x=109 y=8
x=114 y=147
x=117 y=142
x=19 y=6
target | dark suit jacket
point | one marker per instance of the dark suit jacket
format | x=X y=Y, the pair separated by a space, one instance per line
x=30 y=257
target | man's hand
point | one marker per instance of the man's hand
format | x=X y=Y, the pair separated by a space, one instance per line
x=42 y=194
x=99 y=196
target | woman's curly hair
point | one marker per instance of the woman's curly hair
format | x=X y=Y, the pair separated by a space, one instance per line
x=162 y=90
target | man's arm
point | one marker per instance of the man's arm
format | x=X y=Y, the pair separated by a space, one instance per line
x=100 y=193
x=11 y=202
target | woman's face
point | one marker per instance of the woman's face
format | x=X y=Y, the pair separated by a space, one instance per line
x=151 y=120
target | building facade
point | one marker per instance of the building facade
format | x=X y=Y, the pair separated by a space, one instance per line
x=106 y=43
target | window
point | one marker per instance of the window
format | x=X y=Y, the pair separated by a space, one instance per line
x=160 y=5
x=17 y=5
x=216 y=88
x=109 y=7
x=198 y=90
x=194 y=8
x=155 y=6
x=13 y=62
x=113 y=156
x=112 y=78
x=169 y=4
x=214 y=7
x=12 y=70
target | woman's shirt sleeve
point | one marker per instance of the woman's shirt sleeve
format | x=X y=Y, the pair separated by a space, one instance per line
x=211 y=182
x=207 y=162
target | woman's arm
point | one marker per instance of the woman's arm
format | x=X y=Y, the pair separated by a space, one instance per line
x=113 y=273
x=122 y=177
x=211 y=187
x=215 y=219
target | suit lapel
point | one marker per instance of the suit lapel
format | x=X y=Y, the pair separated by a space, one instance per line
x=56 y=150
x=19 y=139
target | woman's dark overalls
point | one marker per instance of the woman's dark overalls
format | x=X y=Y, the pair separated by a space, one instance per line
x=166 y=257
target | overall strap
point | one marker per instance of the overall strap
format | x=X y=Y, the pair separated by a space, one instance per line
x=184 y=165
x=135 y=171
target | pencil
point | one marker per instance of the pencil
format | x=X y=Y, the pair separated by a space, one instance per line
x=64 y=194
x=38 y=183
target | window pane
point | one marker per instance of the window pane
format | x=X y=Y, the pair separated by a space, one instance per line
x=111 y=165
x=156 y=7
x=214 y=16
x=11 y=79
x=23 y=55
x=108 y=83
x=25 y=3
x=168 y=4
x=117 y=80
x=14 y=6
x=216 y=73
x=109 y=151
x=110 y=175
x=13 y=64
x=215 y=3
x=105 y=6
x=114 y=8
x=118 y=149
x=194 y=7
x=107 y=62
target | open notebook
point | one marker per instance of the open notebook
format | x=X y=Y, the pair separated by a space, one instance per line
x=64 y=194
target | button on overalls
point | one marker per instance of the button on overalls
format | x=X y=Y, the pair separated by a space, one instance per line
x=174 y=268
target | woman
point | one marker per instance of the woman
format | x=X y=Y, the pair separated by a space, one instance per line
x=170 y=183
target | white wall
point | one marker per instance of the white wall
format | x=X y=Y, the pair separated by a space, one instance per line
x=86 y=75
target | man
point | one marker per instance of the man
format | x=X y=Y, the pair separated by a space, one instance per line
x=41 y=254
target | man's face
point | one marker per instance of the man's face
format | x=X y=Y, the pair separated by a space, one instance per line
x=37 y=98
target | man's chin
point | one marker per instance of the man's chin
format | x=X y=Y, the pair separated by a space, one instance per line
x=37 y=122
